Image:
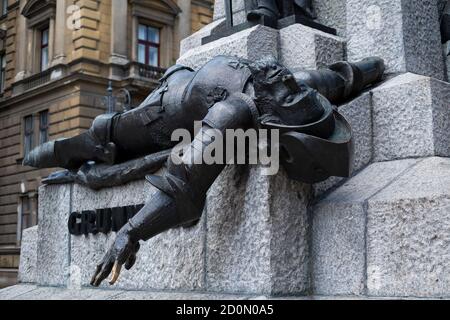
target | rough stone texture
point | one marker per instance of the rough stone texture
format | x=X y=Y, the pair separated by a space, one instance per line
x=358 y=113
x=257 y=233
x=28 y=256
x=385 y=232
x=29 y=292
x=16 y=291
x=403 y=32
x=408 y=234
x=332 y=14
x=195 y=40
x=253 y=43
x=53 y=293
x=302 y=47
x=219 y=8
x=411 y=118
x=33 y=292
x=53 y=239
x=338 y=230
x=136 y=295
x=173 y=260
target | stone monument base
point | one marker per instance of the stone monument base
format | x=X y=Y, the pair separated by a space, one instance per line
x=384 y=233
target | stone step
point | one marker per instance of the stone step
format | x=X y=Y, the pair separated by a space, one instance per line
x=297 y=47
x=34 y=292
x=411 y=118
x=386 y=232
x=405 y=117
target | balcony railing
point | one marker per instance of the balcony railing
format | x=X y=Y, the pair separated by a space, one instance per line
x=39 y=79
x=146 y=71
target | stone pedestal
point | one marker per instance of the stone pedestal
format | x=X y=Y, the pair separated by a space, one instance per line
x=403 y=32
x=257 y=238
x=302 y=47
x=382 y=233
x=411 y=118
x=252 y=239
x=28 y=255
x=385 y=233
x=53 y=260
x=297 y=47
x=253 y=43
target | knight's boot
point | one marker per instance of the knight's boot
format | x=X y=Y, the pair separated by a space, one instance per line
x=265 y=8
x=343 y=79
x=72 y=153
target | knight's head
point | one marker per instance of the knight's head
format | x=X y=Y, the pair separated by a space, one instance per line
x=280 y=97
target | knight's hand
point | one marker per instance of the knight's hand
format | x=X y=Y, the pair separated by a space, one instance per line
x=123 y=252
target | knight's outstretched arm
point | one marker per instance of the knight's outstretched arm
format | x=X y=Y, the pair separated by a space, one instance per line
x=343 y=79
x=181 y=191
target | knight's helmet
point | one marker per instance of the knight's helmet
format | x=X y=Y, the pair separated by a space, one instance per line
x=315 y=139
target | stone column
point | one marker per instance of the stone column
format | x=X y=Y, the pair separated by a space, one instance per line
x=59 y=54
x=21 y=53
x=184 y=19
x=119 y=30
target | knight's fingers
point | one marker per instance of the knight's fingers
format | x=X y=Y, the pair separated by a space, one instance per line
x=97 y=271
x=115 y=273
x=104 y=273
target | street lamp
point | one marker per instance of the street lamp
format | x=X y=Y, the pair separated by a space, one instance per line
x=123 y=98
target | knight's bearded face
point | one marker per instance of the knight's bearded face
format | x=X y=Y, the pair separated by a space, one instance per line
x=278 y=95
x=274 y=81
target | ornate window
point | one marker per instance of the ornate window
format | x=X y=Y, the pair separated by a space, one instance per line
x=37 y=11
x=40 y=16
x=44 y=37
x=153 y=24
x=148 y=45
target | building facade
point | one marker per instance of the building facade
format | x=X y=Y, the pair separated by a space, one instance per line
x=57 y=59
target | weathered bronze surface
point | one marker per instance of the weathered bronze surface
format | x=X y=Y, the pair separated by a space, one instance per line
x=226 y=93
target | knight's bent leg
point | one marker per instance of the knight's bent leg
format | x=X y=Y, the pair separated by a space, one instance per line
x=182 y=189
x=343 y=79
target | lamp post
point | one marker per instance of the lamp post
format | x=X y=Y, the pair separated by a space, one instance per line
x=111 y=101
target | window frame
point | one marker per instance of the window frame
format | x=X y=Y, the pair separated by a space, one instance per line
x=31 y=214
x=44 y=126
x=28 y=133
x=35 y=132
x=2 y=72
x=44 y=47
x=148 y=44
